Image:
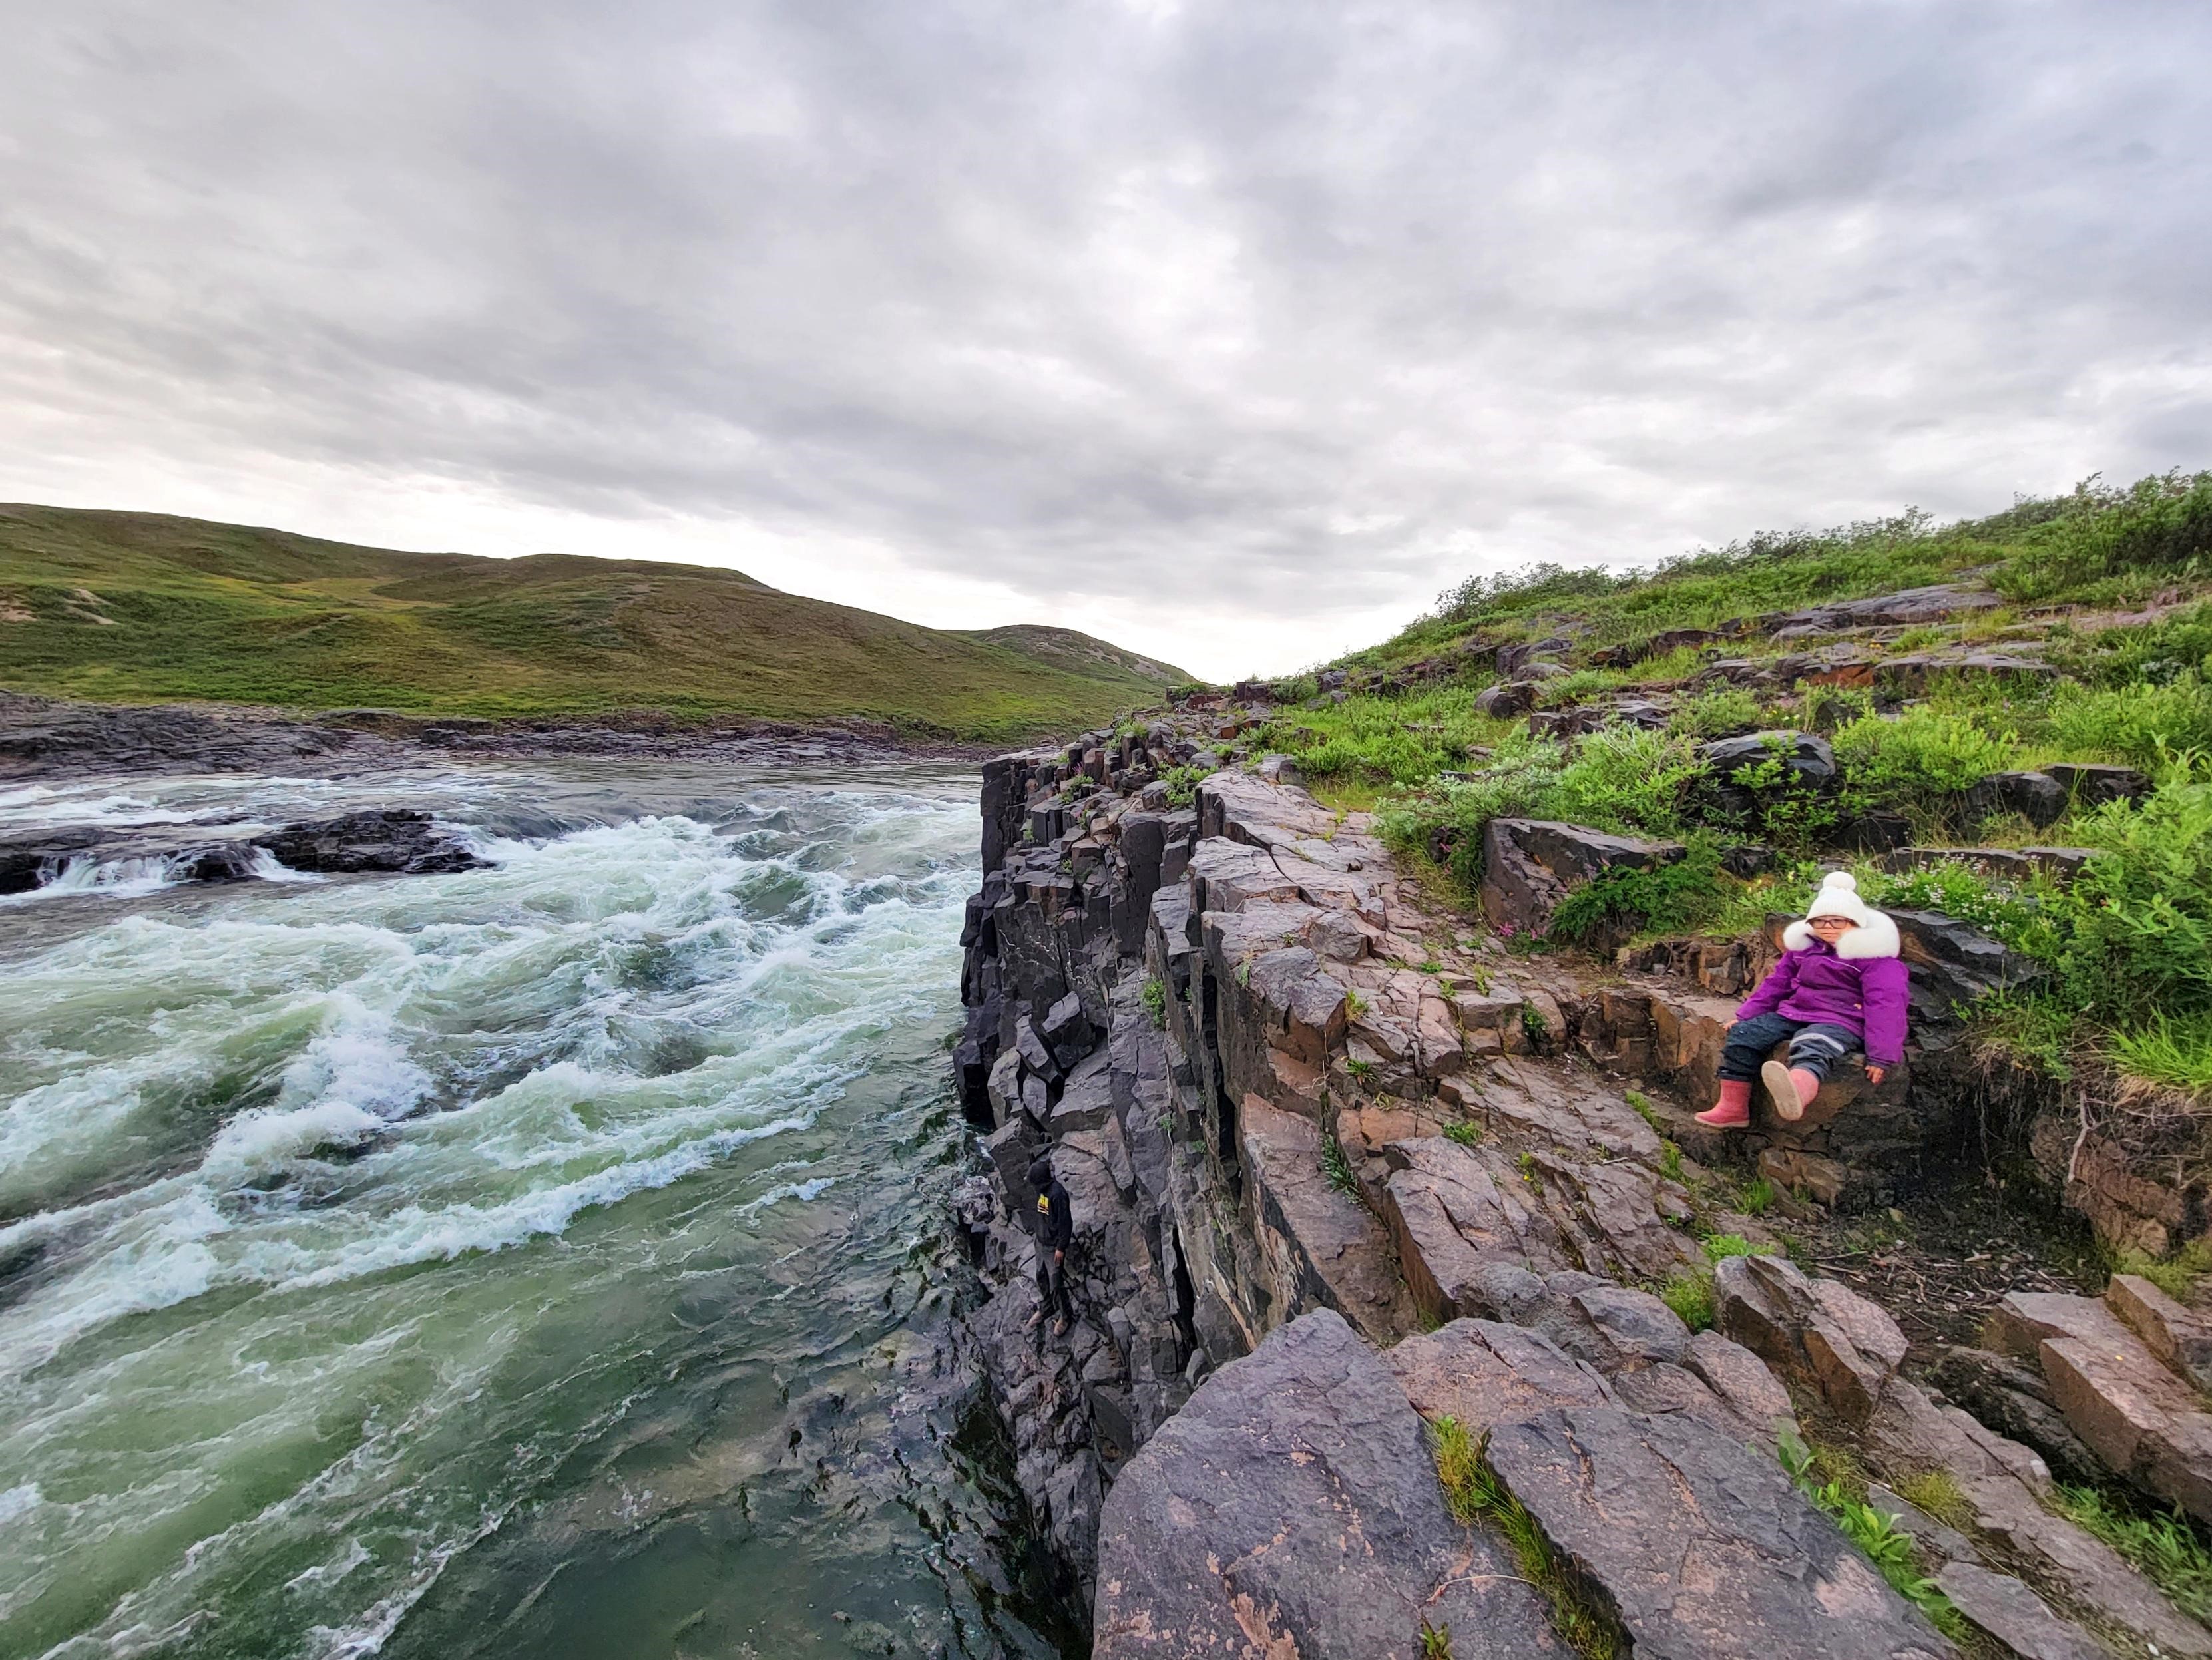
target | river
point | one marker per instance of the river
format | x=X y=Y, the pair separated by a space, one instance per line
x=546 y=1260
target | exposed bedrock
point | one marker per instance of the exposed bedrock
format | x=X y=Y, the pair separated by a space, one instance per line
x=1337 y=1173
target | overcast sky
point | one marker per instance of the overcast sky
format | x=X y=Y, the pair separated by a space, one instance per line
x=1232 y=333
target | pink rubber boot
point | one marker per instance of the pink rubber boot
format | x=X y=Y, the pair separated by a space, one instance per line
x=1791 y=1088
x=1734 y=1110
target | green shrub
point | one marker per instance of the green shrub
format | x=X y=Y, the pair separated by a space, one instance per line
x=1757 y=1197
x=1918 y=762
x=2176 y=1276
x=1465 y=1131
x=1155 y=999
x=2161 y=524
x=1666 y=899
x=1885 y=1545
x=1722 y=1246
x=2139 y=914
x=1628 y=782
x=2158 y=728
x=1690 y=1295
x=2018 y=913
x=1829 y=707
x=1183 y=784
x=1721 y=713
x=2151 y=654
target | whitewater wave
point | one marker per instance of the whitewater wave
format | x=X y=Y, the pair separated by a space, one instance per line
x=363 y=1154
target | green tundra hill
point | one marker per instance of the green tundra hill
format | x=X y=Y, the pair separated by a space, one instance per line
x=130 y=607
x=2008 y=720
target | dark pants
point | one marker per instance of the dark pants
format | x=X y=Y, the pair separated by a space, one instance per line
x=1814 y=1047
x=1051 y=1284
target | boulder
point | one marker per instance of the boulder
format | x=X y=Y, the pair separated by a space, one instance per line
x=394 y=841
x=1819 y=1333
x=1703 y=1546
x=1452 y=1210
x=2093 y=785
x=2012 y=1399
x=1529 y=864
x=2179 y=1336
x=2035 y=796
x=1504 y=701
x=1911 y=676
x=2144 y=1421
x=1904 y=609
x=1955 y=961
x=1805 y=756
x=1291 y=1508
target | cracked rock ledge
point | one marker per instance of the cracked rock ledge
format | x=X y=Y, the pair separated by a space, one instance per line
x=1336 y=1174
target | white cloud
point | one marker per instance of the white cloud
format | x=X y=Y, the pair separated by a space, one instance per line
x=1234 y=333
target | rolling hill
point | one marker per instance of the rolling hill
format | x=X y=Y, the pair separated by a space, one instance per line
x=129 y=607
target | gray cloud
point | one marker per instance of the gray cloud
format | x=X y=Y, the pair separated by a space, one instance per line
x=1259 y=312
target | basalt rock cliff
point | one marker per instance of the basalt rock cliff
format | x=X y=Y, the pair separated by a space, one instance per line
x=1341 y=1171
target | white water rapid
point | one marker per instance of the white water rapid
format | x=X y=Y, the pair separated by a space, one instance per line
x=542 y=1260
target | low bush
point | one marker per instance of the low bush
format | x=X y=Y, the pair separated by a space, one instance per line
x=2161 y=524
x=1721 y=713
x=1919 y=762
x=2163 y=729
x=2138 y=917
x=1888 y=1548
x=1666 y=899
x=2022 y=915
x=1691 y=1296
x=2151 y=654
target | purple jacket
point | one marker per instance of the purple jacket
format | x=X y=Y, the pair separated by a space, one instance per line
x=1863 y=989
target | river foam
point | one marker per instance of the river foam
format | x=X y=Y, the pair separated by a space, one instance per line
x=310 y=1188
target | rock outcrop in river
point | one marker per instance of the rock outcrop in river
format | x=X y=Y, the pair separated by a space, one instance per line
x=1339 y=1172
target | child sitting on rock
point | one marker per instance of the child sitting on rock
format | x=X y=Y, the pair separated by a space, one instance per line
x=1840 y=985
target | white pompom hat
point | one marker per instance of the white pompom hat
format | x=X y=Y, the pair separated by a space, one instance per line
x=1876 y=935
x=1839 y=896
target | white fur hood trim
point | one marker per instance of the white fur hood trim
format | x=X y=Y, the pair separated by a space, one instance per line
x=1876 y=937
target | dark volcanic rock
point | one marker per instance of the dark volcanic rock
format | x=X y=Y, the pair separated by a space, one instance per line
x=1529 y=864
x=1805 y=756
x=1705 y=1547
x=399 y=840
x=1292 y=1508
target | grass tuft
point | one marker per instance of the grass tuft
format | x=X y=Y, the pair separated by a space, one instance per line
x=1476 y=1495
x=1690 y=1294
x=1884 y=1544
x=2169 y=1551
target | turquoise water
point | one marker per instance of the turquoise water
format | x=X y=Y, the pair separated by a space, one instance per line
x=545 y=1260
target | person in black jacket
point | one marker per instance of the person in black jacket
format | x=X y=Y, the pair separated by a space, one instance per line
x=1053 y=1222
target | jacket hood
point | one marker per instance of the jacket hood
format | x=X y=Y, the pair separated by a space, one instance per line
x=1875 y=936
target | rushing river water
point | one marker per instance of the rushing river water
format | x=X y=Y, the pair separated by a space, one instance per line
x=547 y=1260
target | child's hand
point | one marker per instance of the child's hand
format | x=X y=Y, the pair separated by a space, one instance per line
x=1875 y=1074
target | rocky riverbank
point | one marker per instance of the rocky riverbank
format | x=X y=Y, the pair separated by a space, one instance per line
x=1343 y=1169
x=53 y=738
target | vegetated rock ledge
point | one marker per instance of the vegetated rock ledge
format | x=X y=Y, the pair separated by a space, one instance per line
x=1300 y=1120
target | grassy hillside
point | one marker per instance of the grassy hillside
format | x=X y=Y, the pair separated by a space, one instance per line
x=2088 y=641
x=133 y=607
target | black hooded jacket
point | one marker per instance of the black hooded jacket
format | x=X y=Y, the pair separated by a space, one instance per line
x=1052 y=1219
